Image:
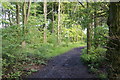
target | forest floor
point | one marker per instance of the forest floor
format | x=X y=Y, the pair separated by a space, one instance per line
x=67 y=65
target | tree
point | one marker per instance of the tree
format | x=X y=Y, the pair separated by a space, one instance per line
x=58 y=29
x=17 y=13
x=26 y=13
x=45 y=20
x=113 y=52
x=88 y=32
x=52 y=17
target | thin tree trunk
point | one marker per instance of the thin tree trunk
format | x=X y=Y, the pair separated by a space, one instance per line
x=9 y=13
x=24 y=23
x=5 y=19
x=45 y=20
x=95 y=25
x=28 y=11
x=12 y=19
x=88 y=35
x=113 y=52
x=2 y=17
x=35 y=9
x=24 y=13
x=88 y=39
x=58 y=31
x=17 y=14
x=52 y=17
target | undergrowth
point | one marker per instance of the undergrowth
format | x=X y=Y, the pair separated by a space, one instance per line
x=17 y=61
x=95 y=61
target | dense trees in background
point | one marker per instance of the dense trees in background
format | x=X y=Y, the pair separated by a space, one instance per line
x=33 y=30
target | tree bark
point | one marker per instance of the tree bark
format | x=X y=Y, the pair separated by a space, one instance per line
x=24 y=22
x=35 y=9
x=113 y=52
x=2 y=17
x=45 y=20
x=26 y=13
x=58 y=29
x=17 y=14
x=5 y=19
x=88 y=34
x=88 y=39
x=52 y=17
x=95 y=25
x=9 y=13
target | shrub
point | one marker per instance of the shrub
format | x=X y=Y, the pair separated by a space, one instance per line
x=94 y=60
x=96 y=56
x=13 y=55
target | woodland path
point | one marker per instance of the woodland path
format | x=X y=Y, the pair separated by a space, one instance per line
x=67 y=65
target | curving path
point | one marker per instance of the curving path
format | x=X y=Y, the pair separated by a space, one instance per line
x=67 y=65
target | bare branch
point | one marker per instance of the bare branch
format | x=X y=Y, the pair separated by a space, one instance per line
x=81 y=4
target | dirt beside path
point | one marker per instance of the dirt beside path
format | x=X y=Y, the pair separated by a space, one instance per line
x=67 y=65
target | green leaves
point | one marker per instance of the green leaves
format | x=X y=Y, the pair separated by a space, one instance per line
x=96 y=56
x=95 y=60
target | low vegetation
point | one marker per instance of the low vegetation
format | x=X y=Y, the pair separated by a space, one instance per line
x=34 y=32
x=30 y=57
x=96 y=61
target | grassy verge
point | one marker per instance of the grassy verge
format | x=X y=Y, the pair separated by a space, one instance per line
x=34 y=56
x=62 y=49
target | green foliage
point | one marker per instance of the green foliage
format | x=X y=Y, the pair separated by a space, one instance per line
x=11 y=45
x=102 y=76
x=52 y=39
x=101 y=33
x=14 y=55
x=97 y=56
x=95 y=60
x=35 y=51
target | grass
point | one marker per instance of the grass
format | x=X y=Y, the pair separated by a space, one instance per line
x=62 y=49
x=34 y=56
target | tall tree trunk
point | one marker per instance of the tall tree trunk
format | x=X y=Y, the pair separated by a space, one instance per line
x=26 y=13
x=88 y=39
x=35 y=9
x=95 y=25
x=9 y=14
x=88 y=34
x=52 y=17
x=58 y=31
x=5 y=19
x=2 y=17
x=113 y=52
x=45 y=20
x=24 y=22
x=17 y=13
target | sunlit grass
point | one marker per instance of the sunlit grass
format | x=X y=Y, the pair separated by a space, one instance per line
x=62 y=49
